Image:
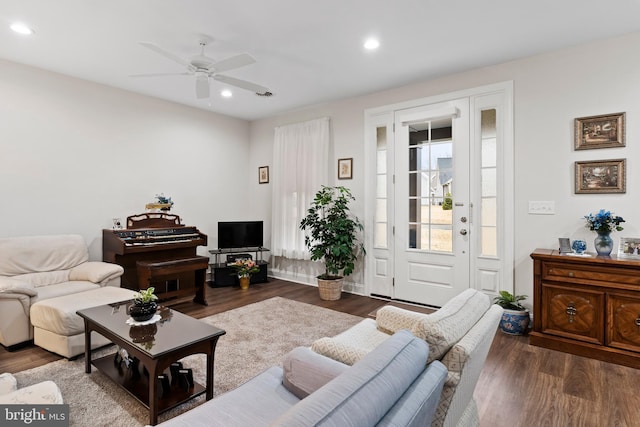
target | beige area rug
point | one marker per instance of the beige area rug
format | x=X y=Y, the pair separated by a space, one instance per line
x=258 y=336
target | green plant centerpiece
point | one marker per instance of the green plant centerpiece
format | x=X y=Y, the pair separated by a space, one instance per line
x=332 y=237
x=515 y=317
x=144 y=305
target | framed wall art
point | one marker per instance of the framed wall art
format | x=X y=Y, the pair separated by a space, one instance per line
x=605 y=131
x=629 y=247
x=345 y=168
x=601 y=176
x=263 y=175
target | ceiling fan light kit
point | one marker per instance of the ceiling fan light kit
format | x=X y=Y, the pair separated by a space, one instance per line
x=205 y=68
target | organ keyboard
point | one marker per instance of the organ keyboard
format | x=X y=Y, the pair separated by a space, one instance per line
x=152 y=237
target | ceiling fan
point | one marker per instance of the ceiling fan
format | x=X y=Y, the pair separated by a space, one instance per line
x=205 y=68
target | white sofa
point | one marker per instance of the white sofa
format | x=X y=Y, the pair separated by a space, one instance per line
x=44 y=393
x=37 y=268
x=459 y=335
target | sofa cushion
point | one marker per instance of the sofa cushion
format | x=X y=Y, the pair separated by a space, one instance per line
x=8 y=383
x=392 y=319
x=353 y=344
x=22 y=255
x=446 y=326
x=305 y=371
x=362 y=395
x=44 y=393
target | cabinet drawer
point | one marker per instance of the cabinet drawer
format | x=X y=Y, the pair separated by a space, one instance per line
x=573 y=313
x=623 y=321
x=558 y=271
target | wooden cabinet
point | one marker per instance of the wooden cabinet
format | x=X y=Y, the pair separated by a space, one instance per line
x=589 y=306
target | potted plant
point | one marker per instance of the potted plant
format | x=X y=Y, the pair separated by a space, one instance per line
x=331 y=237
x=244 y=269
x=144 y=305
x=515 y=318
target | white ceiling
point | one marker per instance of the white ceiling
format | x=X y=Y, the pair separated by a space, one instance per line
x=307 y=51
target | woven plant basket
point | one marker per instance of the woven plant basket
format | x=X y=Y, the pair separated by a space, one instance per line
x=330 y=290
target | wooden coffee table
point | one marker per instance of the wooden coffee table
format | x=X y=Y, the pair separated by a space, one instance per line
x=155 y=347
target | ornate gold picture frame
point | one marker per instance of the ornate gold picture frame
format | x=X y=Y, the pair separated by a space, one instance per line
x=601 y=176
x=605 y=131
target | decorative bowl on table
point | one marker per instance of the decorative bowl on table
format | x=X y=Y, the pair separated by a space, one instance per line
x=579 y=246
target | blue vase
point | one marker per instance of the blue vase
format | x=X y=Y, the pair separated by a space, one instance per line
x=603 y=244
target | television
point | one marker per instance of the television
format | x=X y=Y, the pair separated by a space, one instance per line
x=240 y=234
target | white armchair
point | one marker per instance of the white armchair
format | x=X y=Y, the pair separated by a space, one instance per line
x=36 y=268
x=44 y=393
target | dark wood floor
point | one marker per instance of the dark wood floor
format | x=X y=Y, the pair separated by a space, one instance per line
x=520 y=385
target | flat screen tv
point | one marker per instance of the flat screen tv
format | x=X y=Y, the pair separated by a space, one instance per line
x=240 y=234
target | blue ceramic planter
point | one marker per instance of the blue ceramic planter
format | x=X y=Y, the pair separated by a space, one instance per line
x=515 y=322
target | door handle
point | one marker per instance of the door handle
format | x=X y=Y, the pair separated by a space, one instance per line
x=463 y=231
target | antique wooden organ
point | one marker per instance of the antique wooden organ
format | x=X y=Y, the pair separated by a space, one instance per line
x=155 y=248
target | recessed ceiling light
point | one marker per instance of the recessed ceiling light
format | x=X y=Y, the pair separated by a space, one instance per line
x=371 y=44
x=21 y=28
x=226 y=93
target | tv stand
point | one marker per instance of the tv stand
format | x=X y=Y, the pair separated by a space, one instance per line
x=222 y=273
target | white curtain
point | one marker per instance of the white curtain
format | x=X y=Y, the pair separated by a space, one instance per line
x=300 y=168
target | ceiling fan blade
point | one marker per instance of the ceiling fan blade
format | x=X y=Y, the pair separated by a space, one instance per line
x=232 y=63
x=202 y=86
x=159 y=74
x=166 y=54
x=243 y=84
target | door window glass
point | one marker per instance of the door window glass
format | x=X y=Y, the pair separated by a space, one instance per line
x=431 y=186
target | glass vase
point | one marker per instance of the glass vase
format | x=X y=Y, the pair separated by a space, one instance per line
x=603 y=244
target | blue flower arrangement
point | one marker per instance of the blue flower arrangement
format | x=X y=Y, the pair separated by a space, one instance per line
x=604 y=222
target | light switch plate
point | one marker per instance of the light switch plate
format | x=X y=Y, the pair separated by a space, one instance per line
x=542 y=208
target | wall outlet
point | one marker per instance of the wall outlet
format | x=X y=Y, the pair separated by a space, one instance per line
x=542 y=208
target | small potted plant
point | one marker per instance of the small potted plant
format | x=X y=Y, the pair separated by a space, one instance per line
x=244 y=269
x=332 y=238
x=515 y=318
x=144 y=305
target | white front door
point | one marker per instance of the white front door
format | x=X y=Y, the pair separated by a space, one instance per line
x=439 y=196
x=432 y=202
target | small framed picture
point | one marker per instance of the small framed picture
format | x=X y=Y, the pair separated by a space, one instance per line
x=629 y=247
x=263 y=175
x=345 y=168
x=605 y=131
x=601 y=176
x=565 y=245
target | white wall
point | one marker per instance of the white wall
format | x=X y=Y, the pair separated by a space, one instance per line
x=550 y=91
x=75 y=154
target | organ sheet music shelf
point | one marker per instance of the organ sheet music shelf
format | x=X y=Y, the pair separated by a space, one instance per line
x=156 y=238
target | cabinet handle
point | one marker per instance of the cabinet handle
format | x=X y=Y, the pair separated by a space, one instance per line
x=572 y=311
x=571 y=274
x=637 y=322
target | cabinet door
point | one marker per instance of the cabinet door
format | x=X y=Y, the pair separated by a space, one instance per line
x=623 y=320
x=572 y=312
